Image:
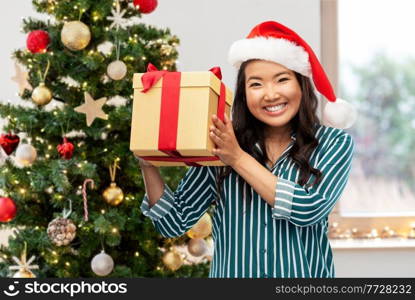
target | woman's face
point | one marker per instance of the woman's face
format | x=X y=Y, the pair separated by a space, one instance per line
x=273 y=93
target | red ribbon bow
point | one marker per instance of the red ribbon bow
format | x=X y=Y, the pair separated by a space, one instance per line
x=153 y=75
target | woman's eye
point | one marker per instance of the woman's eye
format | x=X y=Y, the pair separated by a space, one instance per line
x=283 y=79
x=254 y=84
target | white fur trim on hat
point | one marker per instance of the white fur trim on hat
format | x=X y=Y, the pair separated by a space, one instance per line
x=340 y=114
x=281 y=51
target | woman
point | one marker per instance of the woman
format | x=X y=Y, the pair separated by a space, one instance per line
x=285 y=171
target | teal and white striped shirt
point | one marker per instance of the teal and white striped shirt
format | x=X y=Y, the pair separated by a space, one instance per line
x=251 y=238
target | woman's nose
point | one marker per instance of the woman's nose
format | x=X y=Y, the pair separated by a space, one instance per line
x=271 y=93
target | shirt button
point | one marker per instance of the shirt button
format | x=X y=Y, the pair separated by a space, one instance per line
x=265 y=250
x=265 y=223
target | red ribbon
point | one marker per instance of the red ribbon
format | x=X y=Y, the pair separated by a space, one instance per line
x=169 y=113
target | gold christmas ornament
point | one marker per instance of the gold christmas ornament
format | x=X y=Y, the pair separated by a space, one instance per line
x=117 y=70
x=202 y=228
x=23 y=266
x=41 y=95
x=75 y=35
x=113 y=195
x=197 y=247
x=24 y=273
x=172 y=260
x=25 y=155
x=92 y=108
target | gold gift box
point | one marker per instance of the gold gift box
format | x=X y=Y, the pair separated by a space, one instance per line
x=199 y=95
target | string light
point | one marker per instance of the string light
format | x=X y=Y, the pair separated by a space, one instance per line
x=137 y=254
x=47 y=156
x=54 y=252
x=22 y=191
x=114 y=230
x=109 y=126
x=102 y=211
x=67 y=264
x=16 y=181
x=50 y=147
x=96 y=16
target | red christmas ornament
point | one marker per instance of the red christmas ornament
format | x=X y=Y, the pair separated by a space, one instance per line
x=7 y=209
x=146 y=6
x=9 y=142
x=65 y=149
x=37 y=41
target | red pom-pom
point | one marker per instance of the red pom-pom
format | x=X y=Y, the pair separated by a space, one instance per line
x=65 y=149
x=146 y=6
x=7 y=209
x=9 y=142
x=37 y=41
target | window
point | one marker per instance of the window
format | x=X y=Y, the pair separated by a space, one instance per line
x=368 y=53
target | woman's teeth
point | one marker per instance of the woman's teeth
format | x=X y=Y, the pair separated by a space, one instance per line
x=275 y=108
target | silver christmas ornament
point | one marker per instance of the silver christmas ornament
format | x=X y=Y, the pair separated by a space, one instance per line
x=117 y=70
x=102 y=264
x=26 y=154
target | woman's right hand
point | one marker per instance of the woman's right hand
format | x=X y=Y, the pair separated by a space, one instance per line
x=143 y=162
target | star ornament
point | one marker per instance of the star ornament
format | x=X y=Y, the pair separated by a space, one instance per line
x=21 y=79
x=117 y=18
x=92 y=108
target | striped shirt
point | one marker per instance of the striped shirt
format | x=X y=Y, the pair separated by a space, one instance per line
x=251 y=238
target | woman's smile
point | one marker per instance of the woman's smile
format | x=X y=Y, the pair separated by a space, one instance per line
x=275 y=110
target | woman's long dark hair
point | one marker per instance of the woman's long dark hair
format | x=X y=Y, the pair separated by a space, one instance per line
x=249 y=131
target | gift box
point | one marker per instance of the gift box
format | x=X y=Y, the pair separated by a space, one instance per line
x=172 y=114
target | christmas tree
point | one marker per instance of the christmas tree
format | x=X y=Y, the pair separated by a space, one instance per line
x=69 y=186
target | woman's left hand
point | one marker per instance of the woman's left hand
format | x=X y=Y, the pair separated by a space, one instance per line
x=227 y=146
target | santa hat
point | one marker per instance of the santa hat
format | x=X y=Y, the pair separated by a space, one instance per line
x=274 y=42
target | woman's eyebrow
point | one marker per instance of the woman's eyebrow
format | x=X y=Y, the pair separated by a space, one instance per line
x=276 y=75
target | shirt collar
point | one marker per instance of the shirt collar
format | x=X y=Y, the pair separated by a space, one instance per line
x=293 y=137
